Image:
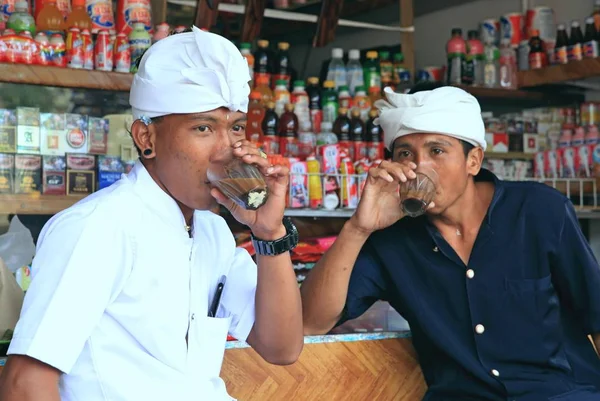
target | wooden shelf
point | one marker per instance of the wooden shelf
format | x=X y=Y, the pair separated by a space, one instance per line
x=64 y=77
x=35 y=203
x=521 y=97
x=575 y=70
x=510 y=156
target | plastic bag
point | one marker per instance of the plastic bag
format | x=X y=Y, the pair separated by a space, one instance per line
x=16 y=246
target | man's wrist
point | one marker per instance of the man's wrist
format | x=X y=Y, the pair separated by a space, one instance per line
x=269 y=235
x=353 y=228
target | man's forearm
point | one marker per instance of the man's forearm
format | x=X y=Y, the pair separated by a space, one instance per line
x=325 y=289
x=26 y=380
x=278 y=335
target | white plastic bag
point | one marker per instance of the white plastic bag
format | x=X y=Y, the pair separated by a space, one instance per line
x=16 y=246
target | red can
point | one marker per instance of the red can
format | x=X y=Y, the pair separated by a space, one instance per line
x=122 y=54
x=75 y=48
x=103 y=52
x=88 y=50
x=511 y=28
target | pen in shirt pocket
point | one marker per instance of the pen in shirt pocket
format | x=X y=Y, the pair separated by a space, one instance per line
x=214 y=306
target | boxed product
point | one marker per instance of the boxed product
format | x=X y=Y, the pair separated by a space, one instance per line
x=81 y=174
x=54 y=175
x=8 y=131
x=76 y=137
x=7 y=172
x=298 y=184
x=110 y=169
x=52 y=134
x=28 y=130
x=28 y=174
x=98 y=136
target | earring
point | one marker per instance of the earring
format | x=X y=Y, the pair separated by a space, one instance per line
x=146 y=120
x=147 y=152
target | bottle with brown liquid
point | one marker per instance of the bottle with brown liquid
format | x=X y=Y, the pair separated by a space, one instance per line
x=263 y=61
x=357 y=135
x=590 y=40
x=575 y=42
x=561 y=49
x=282 y=68
x=269 y=128
x=537 y=55
x=341 y=129
x=288 y=132
x=314 y=103
x=256 y=114
x=374 y=138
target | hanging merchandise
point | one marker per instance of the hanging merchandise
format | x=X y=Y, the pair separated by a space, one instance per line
x=101 y=13
x=131 y=11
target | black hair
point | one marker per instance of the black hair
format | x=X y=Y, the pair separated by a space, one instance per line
x=429 y=86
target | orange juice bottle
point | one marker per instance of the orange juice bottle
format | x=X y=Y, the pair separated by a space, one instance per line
x=79 y=17
x=262 y=86
x=246 y=50
x=50 y=19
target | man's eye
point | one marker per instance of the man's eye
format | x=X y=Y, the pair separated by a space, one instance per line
x=404 y=153
x=203 y=128
x=239 y=128
x=437 y=151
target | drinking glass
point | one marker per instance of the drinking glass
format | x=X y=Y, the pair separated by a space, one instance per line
x=418 y=193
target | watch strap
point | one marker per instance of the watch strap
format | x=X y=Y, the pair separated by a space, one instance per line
x=278 y=246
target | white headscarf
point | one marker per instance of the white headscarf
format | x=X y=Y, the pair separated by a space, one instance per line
x=447 y=110
x=190 y=72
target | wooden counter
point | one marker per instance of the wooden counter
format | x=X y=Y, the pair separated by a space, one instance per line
x=340 y=368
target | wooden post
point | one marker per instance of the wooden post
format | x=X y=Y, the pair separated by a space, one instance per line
x=206 y=13
x=159 y=11
x=407 y=39
x=253 y=18
x=327 y=23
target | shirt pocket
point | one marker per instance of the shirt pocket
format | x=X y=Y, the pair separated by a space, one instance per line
x=211 y=340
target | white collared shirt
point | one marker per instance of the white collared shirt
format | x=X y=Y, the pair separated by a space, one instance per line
x=117 y=285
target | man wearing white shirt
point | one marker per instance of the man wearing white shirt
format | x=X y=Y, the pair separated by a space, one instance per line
x=118 y=308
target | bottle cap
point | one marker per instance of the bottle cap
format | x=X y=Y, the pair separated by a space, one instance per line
x=21 y=5
x=289 y=106
x=245 y=45
x=271 y=105
x=337 y=53
x=255 y=95
x=354 y=54
x=343 y=88
x=355 y=112
x=283 y=46
x=298 y=83
x=263 y=43
x=456 y=31
x=399 y=57
x=281 y=82
x=313 y=80
x=372 y=54
x=329 y=84
x=384 y=55
x=342 y=111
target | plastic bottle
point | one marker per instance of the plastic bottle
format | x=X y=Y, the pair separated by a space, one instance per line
x=102 y=15
x=326 y=136
x=288 y=132
x=315 y=186
x=456 y=51
x=374 y=137
x=357 y=136
x=508 y=65
x=362 y=102
x=344 y=98
x=354 y=71
x=20 y=20
x=256 y=113
x=371 y=70
x=262 y=87
x=282 y=66
x=79 y=17
x=401 y=74
x=561 y=49
x=337 y=70
x=64 y=6
x=130 y=12
x=386 y=68
x=575 y=42
x=374 y=94
x=300 y=100
x=590 y=39
x=262 y=61
x=246 y=50
x=269 y=127
x=314 y=103
x=329 y=101
x=50 y=19
x=476 y=53
x=282 y=96
x=537 y=55
x=139 y=41
x=341 y=129
x=491 y=67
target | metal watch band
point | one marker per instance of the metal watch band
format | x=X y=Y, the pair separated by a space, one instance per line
x=279 y=246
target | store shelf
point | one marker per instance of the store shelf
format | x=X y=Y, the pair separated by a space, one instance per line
x=522 y=98
x=35 y=203
x=320 y=213
x=64 y=77
x=575 y=70
x=510 y=155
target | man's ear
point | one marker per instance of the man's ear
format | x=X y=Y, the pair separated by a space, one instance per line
x=474 y=160
x=143 y=137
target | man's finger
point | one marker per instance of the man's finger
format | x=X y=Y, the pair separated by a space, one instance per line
x=222 y=199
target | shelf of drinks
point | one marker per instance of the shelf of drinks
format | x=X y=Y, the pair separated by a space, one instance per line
x=64 y=77
x=510 y=155
x=555 y=74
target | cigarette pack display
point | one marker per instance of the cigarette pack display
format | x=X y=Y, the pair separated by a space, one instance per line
x=28 y=174
x=98 y=135
x=28 y=130
x=54 y=175
x=7 y=172
x=8 y=131
x=76 y=137
x=81 y=174
x=298 y=184
x=110 y=169
x=52 y=134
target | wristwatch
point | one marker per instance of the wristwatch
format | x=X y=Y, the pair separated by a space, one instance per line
x=279 y=246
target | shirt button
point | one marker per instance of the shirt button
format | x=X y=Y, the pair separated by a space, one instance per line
x=470 y=273
x=435 y=249
x=495 y=372
x=193 y=316
x=479 y=329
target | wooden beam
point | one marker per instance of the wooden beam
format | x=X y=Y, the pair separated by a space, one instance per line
x=253 y=18
x=206 y=13
x=159 y=11
x=327 y=23
x=407 y=39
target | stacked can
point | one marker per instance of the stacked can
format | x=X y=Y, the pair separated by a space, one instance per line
x=88 y=50
x=511 y=29
x=122 y=62
x=75 y=49
x=103 y=52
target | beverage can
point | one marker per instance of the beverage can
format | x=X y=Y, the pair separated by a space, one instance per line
x=88 y=49
x=44 y=51
x=511 y=28
x=489 y=31
x=130 y=12
x=59 y=50
x=75 y=48
x=101 y=14
x=102 y=52
x=542 y=19
x=122 y=54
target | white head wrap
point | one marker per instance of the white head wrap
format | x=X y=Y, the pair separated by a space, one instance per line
x=447 y=110
x=190 y=72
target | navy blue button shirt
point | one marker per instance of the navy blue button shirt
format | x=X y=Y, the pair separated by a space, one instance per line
x=510 y=325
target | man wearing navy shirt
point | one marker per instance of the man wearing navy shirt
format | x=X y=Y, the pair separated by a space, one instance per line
x=496 y=280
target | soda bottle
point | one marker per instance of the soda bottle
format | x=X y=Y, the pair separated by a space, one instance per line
x=262 y=61
x=314 y=103
x=20 y=20
x=401 y=75
x=300 y=101
x=456 y=51
x=79 y=17
x=386 y=68
x=561 y=49
x=282 y=96
x=575 y=42
x=59 y=49
x=374 y=138
x=590 y=40
x=491 y=68
x=344 y=98
x=288 y=132
x=476 y=51
x=88 y=50
x=341 y=129
x=508 y=65
x=326 y=136
x=50 y=19
x=256 y=113
x=354 y=71
x=246 y=50
x=357 y=136
x=362 y=102
x=336 y=71
x=130 y=12
x=537 y=56
x=329 y=101
x=139 y=42
x=282 y=65
x=374 y=94
x=262 y=87
x=44 y=50
x=122 y=54
x=269 y=127
x=372 y=74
